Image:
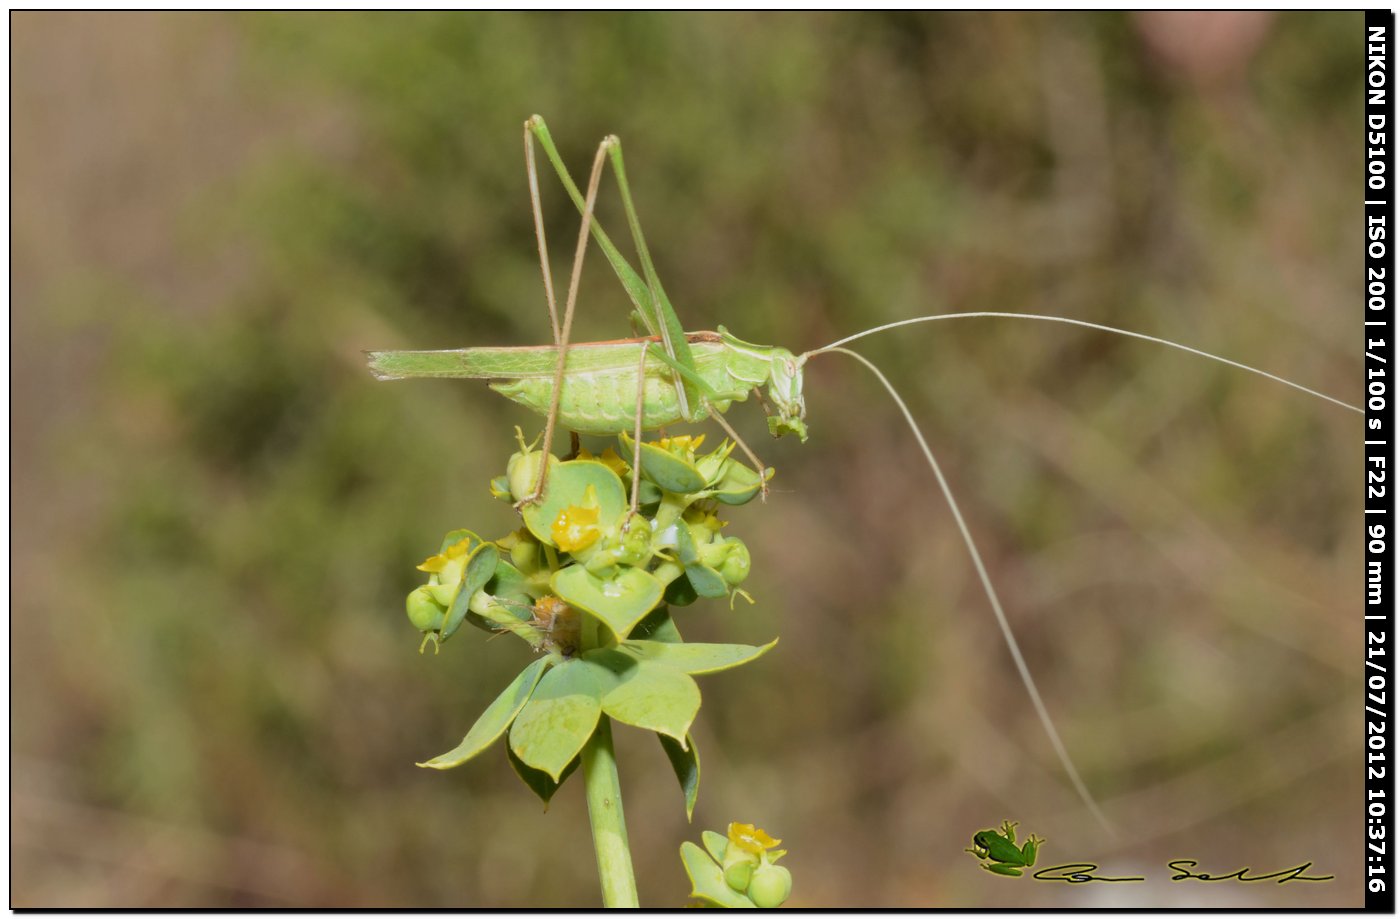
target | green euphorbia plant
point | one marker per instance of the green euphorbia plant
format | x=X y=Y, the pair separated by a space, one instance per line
x=589 y=582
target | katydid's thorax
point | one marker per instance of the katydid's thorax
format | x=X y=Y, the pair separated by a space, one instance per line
x=781 y=370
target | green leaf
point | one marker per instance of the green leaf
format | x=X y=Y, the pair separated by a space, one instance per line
x=717 y=844
x=707 y=581
x=707 y=879
x=560 y=716
x=494 y=721
x=648 y=695
x=567 y=487
x=666 y=469
x=481 y=567
x=620 y=602
x=539 y=782
x=693 y=657
x=711 y=465
x=657 y=626
x=740 y=484
x=680 y=592
x=509 y=583
x=685 y=760
x=509 y=587
x=648 y=493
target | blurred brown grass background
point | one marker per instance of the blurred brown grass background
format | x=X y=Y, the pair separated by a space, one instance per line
x=216 y=696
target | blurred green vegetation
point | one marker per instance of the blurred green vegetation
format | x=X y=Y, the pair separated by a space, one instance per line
x=216 y=695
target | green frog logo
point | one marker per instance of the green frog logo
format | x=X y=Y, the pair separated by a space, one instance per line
x=998 y=851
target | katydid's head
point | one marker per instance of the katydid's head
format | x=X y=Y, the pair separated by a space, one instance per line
x=785 y=389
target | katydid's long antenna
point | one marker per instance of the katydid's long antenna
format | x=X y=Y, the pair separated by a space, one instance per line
x=1006 y=632
x=1088 y=325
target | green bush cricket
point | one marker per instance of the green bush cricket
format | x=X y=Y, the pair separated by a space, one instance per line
x=669 y=376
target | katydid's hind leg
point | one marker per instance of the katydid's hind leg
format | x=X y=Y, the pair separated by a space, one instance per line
x=758 y=466
x=637 y=431
x=534 y=180
x=659 y=312
x=562 y=346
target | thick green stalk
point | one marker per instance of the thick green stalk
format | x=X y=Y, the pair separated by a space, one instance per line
x=605 y=814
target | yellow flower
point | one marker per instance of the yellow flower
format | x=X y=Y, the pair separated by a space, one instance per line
x=681 y=444
x=455 y=551
x=614 y=462
x=575 y=528
x=750 y=838
x=608 y=458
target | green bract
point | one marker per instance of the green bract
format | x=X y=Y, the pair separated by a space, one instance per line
x=586 y=582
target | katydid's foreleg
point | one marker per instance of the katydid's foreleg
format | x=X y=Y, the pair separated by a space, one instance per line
x=563 y=344
x=762 y=402
x=758 y=466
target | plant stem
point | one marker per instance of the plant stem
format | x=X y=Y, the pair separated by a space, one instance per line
x=605 y=814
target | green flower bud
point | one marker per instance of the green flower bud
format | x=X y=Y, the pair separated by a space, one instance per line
x=524 y=551
x=729 y=557
x=424 y=611
x=739 y=875
x=634 y=544
x=442 y=594
x=736 y=566
x=739 y=865
x=770 y=887
x=703 y=527
x=522 y=472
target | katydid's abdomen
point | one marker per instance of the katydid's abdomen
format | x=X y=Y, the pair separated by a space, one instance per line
x=604 y=402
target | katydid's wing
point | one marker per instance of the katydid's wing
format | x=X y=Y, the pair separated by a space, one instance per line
x=502 y=363
x=530 y=361
x=465 y=363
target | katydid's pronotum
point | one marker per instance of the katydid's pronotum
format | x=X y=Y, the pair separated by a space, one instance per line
x=669 y=376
